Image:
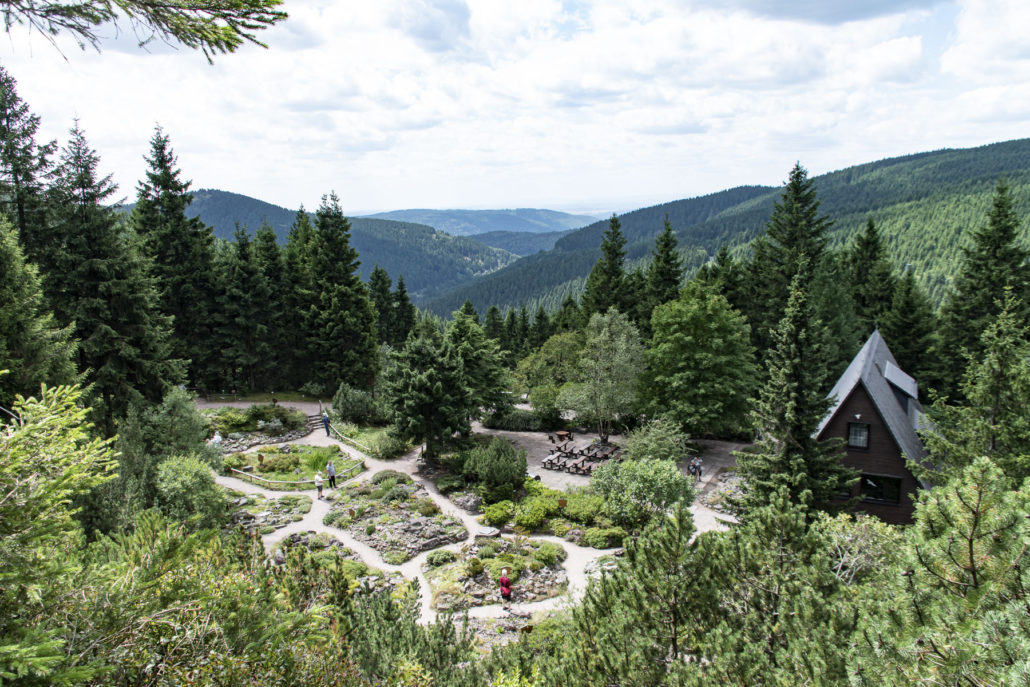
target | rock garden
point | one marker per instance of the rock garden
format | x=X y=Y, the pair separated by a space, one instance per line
x=257 y=513
x=469 y=577
x=290 y=466
x=257 y=425
x=393 y=515
x=329 y=553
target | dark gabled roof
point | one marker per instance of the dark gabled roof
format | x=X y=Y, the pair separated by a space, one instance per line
x=894 y=393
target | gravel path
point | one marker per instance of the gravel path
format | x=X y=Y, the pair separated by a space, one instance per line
x=578 y=557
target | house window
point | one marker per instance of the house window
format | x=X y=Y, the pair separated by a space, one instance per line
x=879 y=489
x=858 y=435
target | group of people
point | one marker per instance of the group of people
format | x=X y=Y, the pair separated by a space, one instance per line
x=330 y=471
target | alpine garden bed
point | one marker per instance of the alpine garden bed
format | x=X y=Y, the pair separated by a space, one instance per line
x=393 y=515
x=290 y=467
x=470 y=577
x=257 y=513
x=328 y=553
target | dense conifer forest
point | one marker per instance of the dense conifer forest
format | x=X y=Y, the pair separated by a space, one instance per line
x=726 y=317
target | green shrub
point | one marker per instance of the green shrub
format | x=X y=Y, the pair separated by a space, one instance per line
x=449 y=483
x=388 y=447
x=395 y=557
x=501 y=492
x=333 y=518
x=234 y=461
x=370 y=529
x=398 y=493
x=359 y=406
x=514 y=420
x=230 y=420
x=316 y=458
x=516 y=565
x=498 y=514
x=289 y=418
x=560 y=526
x=604 y=538
x=535 y=565
x=441 y=557
x=498 y=467
x=549 y=553
x=487 y=552
x=352 y=570
x=531 y=514
x=473 y=567
x=278 y=462
x=377 y=494
x=583 y=508
x=186 y=489
x=426 y=507
x=397 y=477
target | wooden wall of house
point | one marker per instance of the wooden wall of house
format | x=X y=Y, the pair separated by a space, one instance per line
x=883 y=457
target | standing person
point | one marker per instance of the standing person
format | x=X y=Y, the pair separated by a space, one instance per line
x=697 y=468
x=505 y=589
x=318 y=483
x=325 y=421
x=330 y=470
x=692 y=468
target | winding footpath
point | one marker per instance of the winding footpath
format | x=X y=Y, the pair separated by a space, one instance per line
x=575 y=564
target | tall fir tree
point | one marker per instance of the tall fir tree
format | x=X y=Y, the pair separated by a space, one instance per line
x=521 y=332
x=103 y=286
x=485 y=377
x=996 y=260
x=795 y=233
x=493 y=324
x=33 y=349
x=181 y=250
x=665 y=272
x=379 y=290
x=270 y=262
x=834 y=305
x=540 y=331
x=569 y=316
x=404 y=312
x=728 y=275
x=604 y=286
x=342 y=323
x=247 y=354
x=910 y=328
x=299 y=298
x=872 y=279
x=791 y=405
x=469 y=310
x=25 y=167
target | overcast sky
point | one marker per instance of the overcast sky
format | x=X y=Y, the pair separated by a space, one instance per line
x=583 y=106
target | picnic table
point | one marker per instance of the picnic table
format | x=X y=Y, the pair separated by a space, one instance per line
x=563 y=435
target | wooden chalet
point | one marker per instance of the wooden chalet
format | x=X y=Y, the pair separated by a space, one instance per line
x=876 y=412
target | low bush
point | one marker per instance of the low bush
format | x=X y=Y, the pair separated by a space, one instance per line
x=186 y=489
x=442 y=557
x=426 y=507
x=233 y=461
x=448 y=483
x=549 y=553
x=473 y=567
x=605 y=538
x=514 y=420
x=359 y=406
x=229 y=421
x=388 y=447
x=289 y=418
x=486 y=552
x=533 y=511
x=516 y=565
x=583 y=508
x=398 y=493
x=278 y=462
x=499 y=468
x=560 y=526
x=498 y=514
x=370 y=529
x=397 y=477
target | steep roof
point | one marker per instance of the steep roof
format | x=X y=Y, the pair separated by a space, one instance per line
x=894 y=393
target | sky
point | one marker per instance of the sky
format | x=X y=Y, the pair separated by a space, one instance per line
x=593 y=107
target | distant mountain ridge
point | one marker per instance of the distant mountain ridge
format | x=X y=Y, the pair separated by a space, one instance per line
x=520 y=243
x=472 y=222
x=922 y=204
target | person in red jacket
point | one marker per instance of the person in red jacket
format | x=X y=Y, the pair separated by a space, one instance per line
x=505 y=589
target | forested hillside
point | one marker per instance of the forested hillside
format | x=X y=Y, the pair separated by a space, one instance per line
x=520 y=243
x=429 y=260
x=472 y=222
x=922 y=204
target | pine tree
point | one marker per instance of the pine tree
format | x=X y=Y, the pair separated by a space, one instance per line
x=910 y=328
x=540 y=331
x=24 y=169
x=181 y=250
x=102 y=285
x=493 y=325
x=521 y=332
x=470 y=310
x=486 y=380
x=33 y=350
x=428 y=393
x=728 y=276
x=270 y=262
x=299 y=298
x=791 y=405
x=243 y=330
x=834 y=306
x=604 y=287
x=569 y=316
x=510 y=341
x=404 y=314
x=872 y=279
x=995 y=261
x=379 y=285
x=665 y=273
x=341 y=325
x=638 y=302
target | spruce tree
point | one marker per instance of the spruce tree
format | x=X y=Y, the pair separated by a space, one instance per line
x=299 y=298
x=24 y=168
x=665 y=273
x=521 y=332
x=486 y=380
x=910 y=328
x=569 y=316
x=470 y=310
x=791 y=405
x=493 y=325
x=872 y=279
x=103 y=286
x=342 y=323
x=728 y=275
x=604 y=286
x=379 y=285
x=540 y=331
x=404 y=314
x=181 y=250
x=996 y=260
x=270 y=262
x=834 y=305
x=33 y=349
x=243 y=330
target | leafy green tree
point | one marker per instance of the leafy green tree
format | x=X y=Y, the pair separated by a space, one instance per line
x=954 y=612
x=216 y=27
x=790 y=407
x=404 y=314
x=428 y=392
x=47 y=460
x=635 y=491
x=33 y=349
x=342 y=323
x=181 y=249
x=996 y=260
x=995 y=421
x=605 y=286
x=485 y=377
x=665 y=272
x=543 y=372
x=612 y=360
x=379 y=290
x=102 y=285
x=659 y=439
x=24 y=168
x=700 y=366
x=872 y=279
x=910 y=328
x=246 y=352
